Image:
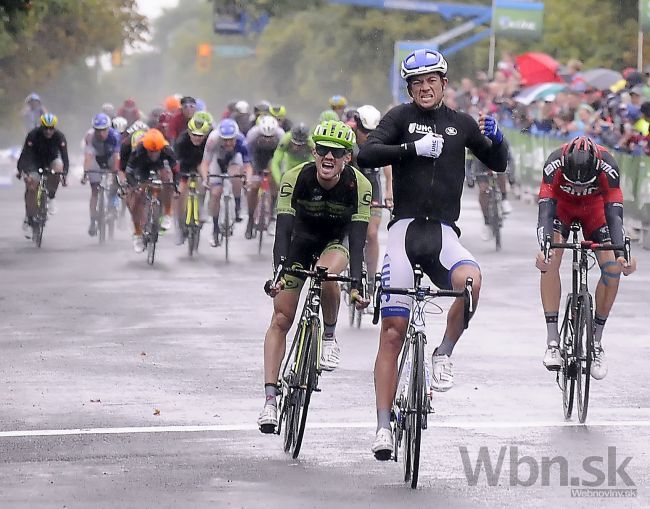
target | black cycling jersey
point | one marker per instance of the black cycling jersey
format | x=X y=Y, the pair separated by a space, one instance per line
x=189 y=156
x=368 y=172
x=309 y=212
x=125 y=153
x=140 y=164
x=424 y=187
x=39 y=151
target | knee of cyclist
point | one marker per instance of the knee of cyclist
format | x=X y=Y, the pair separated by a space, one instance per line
x=372 y=235
x=610 y=272
x=281 y=321
x=392 y=336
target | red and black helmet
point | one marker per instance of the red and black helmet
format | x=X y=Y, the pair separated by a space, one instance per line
x=581 y=161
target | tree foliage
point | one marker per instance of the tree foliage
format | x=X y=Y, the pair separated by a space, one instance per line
x=37 y=42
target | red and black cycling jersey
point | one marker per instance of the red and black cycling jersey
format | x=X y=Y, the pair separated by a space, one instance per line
x=598 y=206
x=424 y=187
x=39 y=151
x=189 y=156
x=140 y=164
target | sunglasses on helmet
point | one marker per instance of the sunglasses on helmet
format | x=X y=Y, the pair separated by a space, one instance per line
x=337 y=152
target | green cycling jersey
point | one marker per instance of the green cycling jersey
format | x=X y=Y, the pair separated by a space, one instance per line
x=288 y=155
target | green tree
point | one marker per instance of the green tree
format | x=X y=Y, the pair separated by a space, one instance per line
x=38 y=42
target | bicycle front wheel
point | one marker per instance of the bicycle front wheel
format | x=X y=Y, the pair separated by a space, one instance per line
x=226 y=231
x=493 y=218
x=567 y=375
x=41 y=218
x=308 y=378
x=583 y=341
x=416 y=408
x=153 y=225
x=101 y=216
x=260 y=223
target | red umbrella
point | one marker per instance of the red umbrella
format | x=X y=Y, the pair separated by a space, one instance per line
x=537 y=68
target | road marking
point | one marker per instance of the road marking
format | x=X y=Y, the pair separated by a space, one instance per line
x=326 y=425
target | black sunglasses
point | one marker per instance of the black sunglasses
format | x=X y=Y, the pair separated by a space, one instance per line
x=337 y=152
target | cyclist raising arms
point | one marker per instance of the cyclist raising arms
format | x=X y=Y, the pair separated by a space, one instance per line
x=425 y=142
x=226 y=153
x=262 y=140
x=322 y=206
x=45 y=147
x=366 y=120
x=153 y=153
x=581 y=182
x=101 y=153
x=189 y=149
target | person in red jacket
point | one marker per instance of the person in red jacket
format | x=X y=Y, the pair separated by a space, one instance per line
x=178 y=123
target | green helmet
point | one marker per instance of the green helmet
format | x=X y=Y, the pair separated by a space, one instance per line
x=200 y=123
x=327 y=115
x=334 y=133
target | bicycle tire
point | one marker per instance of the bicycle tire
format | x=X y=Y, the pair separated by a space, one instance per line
x=351 y=310
x=308 y=377
x=153 y=232
x=101 y=216
x=289 y=400
x=110 y=222
x=493 y=218
x=568 y=380
x=260 y=224
x=226 y=229
x=41 y=218
x=358 y=316
x=584 y=348
x=416 y=406
x=190 y=240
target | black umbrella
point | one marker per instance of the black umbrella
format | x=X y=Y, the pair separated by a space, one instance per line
x=600 y=78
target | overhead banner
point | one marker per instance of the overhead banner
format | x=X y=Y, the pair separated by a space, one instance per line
x=644 y=15
x=402 y=50
x=519 y=20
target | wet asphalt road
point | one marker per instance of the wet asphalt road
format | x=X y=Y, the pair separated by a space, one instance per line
x=154 y=375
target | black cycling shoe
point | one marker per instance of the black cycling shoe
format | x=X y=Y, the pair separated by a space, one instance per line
x=249 y=230
x=238 y=219
x=92 y=229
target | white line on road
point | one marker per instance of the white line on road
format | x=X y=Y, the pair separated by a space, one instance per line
x=327 y=425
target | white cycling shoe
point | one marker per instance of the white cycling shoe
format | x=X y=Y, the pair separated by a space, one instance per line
x=382 y=447
x=552 y=358
x=52 y=207
x=330 y=356
x=486 y=232
x=506 y=206
x=166 y=222
x=138 y=244
x=442 y=376
x=598 y=363
x=268 y=419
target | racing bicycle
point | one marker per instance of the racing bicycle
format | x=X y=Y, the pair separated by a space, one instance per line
x=577 y=331
x=412 y=402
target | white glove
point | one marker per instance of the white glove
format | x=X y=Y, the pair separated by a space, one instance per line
x=430 y=145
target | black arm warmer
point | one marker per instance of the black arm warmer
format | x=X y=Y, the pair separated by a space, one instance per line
x=614 y=217
x=373 y=153
x=283 y=231
x=545 y=218
x=357 y=238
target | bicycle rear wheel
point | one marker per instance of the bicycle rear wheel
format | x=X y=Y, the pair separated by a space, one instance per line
x=567 y=370
x=584 y=349
x=493 y=218
x=261 y=220
x=416 y=396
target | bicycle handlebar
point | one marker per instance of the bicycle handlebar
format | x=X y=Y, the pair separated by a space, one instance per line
x=423 y=292
x=587 y=245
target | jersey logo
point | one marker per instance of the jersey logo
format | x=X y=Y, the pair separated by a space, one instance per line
x=552 y=166
x=609 y=170
x=419 y=128
x=569 y=189
x=451 y=131
x=367 y=198
x=286 y=190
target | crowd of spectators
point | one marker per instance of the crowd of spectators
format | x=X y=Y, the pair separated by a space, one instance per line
x=617 y=117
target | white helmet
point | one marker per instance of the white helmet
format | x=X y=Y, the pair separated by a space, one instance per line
x=120 y=123
x=368 y=116
x=268 y=125
x=242 y=107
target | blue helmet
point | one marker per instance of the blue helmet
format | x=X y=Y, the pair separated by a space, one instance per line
x=200 y=105
x=228 y=129
x=101 y=121
x=423 y=61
